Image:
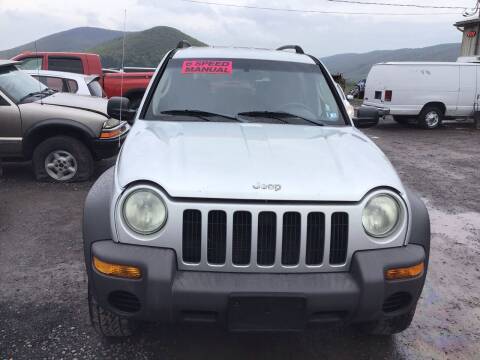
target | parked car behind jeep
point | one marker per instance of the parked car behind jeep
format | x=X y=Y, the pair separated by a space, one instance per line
x=245 y=196
x=61 y=133
x=72 y=83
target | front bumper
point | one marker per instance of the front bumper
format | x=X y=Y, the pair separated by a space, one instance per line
x=167 y=295
x=106 y=148
x=385 y=110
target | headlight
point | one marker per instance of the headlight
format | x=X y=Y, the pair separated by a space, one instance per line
x=111 y=123
x=380 y=215
x=113 y=129
x=144 y=211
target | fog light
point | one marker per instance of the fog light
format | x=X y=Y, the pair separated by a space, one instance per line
x=123 y=271
x=405 y=273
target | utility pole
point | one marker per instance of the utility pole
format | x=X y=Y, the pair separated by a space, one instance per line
x=477 y=103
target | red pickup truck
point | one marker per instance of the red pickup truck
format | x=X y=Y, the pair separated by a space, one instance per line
x=134 y=83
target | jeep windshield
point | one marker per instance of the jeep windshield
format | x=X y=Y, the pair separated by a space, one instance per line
x=244 y=90
x=21 y=87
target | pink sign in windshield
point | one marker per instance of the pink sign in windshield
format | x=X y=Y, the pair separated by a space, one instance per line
x=207 y=67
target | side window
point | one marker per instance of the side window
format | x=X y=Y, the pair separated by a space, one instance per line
x=42 y=79
x=72 y=85
x=67 y=64
x=55 y=83
x=33 y=63
x=3 y=102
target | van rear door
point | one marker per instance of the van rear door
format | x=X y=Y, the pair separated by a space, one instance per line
x=376 y=84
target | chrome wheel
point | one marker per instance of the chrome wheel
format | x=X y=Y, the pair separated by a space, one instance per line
x=432 y=119
x=61 y=165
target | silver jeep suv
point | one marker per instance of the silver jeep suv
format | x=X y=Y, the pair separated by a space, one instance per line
x=244 y=195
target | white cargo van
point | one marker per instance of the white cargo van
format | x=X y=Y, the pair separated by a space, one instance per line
x=428 y=91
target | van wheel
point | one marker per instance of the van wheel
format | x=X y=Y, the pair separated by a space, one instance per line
x=62 y=159
x=108 y=324
x=431 y=117
x=389 y=326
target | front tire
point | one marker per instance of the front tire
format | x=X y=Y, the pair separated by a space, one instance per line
x=387 y=327
x=107 y=323
x=431 y=117
x=62 y=159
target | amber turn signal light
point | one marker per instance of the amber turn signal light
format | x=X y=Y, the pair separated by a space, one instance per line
x=123 y=271
x=110 y=134
x=405 y=273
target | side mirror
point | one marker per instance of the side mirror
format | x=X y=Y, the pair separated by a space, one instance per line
x=368 y=117
x=119 y=108
x=350 y=97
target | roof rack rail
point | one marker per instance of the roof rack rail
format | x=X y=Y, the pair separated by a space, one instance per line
x=297 y=48
x=183 y=44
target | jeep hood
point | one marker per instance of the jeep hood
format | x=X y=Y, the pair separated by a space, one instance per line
x=89 y=103
x=236 y=160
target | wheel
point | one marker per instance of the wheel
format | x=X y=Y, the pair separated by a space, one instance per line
x=108 y=324
x=431 y=117
x=62 y=159
x=389 y=326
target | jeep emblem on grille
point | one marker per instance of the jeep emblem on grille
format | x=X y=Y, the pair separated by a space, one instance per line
x=271 y=187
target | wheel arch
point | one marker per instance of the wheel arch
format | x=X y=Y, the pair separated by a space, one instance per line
x=420 y=226
x=53 y=127
x=96 y=214
x=439 y=104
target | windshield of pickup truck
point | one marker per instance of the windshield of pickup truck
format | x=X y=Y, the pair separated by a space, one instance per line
x=244 y=90
x=18 y=85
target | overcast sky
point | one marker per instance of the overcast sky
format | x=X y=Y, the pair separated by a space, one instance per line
x=22 y=21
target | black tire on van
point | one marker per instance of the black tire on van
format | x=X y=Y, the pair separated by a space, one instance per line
x=431 y=117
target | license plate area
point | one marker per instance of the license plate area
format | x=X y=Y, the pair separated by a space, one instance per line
x=266 y=313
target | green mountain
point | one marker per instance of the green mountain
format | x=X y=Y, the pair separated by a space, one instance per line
x=355 y=67
x=144 y=48
x=78 y=39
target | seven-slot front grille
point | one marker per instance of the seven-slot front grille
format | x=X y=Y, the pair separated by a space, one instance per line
x=265 y=238
x=241 y=237
x=217 y=237
x=291 y=238
x=315 y=238
x=339 y=239
x=192 y=236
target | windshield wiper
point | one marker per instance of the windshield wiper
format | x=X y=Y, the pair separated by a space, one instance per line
x=278 y=115
x=46 y=92
x=204 y=115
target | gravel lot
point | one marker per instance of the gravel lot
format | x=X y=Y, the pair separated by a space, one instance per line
x=43 y=308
